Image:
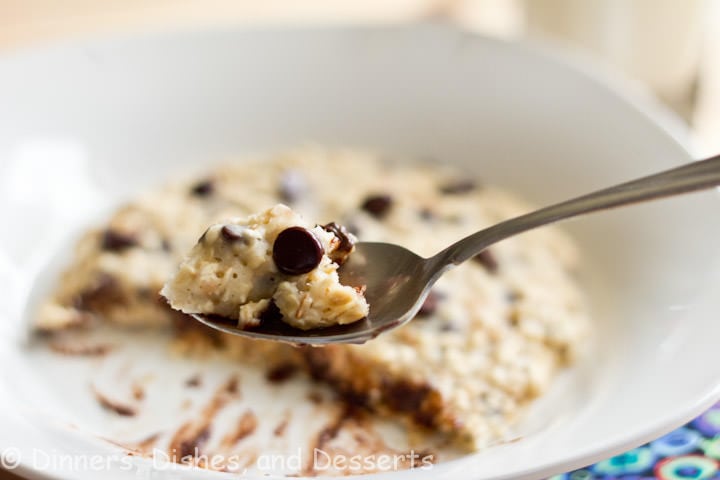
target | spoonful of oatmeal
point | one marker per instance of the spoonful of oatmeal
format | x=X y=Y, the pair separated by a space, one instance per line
x=275 y=276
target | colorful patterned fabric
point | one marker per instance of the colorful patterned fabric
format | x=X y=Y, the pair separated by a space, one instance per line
x=690 y=452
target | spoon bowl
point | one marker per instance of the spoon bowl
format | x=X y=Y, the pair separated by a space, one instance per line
x=395 y=287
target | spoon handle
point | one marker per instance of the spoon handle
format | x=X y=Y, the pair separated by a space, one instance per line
x=695 y=176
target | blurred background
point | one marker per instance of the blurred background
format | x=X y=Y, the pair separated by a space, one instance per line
x=670 y=48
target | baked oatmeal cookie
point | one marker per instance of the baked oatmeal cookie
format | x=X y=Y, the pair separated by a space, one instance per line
x=490 y=338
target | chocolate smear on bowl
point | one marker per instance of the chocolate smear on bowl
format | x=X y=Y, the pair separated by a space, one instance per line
x=282 y=425
x=296 y=251
x=281 y=372
x=244 y=427
x=145 y=446
x=377 y=205
x=203 y=188
x=116 y=241
x=115 y=406
x=189 y=440
x=359 y=437
x=345 y=244
x=458 y=187
x=194 y=381
x=487 y=260
x=138 y=391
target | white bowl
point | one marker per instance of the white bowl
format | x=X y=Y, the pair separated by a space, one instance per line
x=82 y=126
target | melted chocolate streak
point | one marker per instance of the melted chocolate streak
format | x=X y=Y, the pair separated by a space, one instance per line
x=191 y=437
x=113 y=405
x=367 y=437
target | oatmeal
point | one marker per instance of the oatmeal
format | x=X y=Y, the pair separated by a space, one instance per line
x=490 y=338
x=247 y=269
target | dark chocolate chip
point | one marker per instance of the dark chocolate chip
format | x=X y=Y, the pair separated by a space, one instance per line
x=449 y=327
x=271 y=313
x=345 y=245
x=203 y=188
x=458 y=187
x=427 y=214
x=292 y=186
x=487 y=260
x=377 y=205
x=296 y=251
x=232 y=232
x=281 y=372
x=114 y=241
x=429 y=305
x=165 y=245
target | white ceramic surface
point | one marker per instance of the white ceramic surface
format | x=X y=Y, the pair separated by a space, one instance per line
x=83 y=126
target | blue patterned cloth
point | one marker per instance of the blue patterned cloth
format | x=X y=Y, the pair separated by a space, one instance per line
x=690 y=452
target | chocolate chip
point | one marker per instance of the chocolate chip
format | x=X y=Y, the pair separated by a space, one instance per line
x=487 y=260
x=345 y=245
x=377 y=205
x=427 y=214
x=458 y=187
x=203 y=188
x=430 y=304
x=114 y=241
x=449 y=327
x=292 y=186
x=165 y=245
x=281 y=372
x=232 y=232
x=296 y=251
x=271 y=313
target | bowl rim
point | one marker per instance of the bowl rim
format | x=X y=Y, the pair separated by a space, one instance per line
x=631 y=93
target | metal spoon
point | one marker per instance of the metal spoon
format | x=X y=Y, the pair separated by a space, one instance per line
x=397 y=280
